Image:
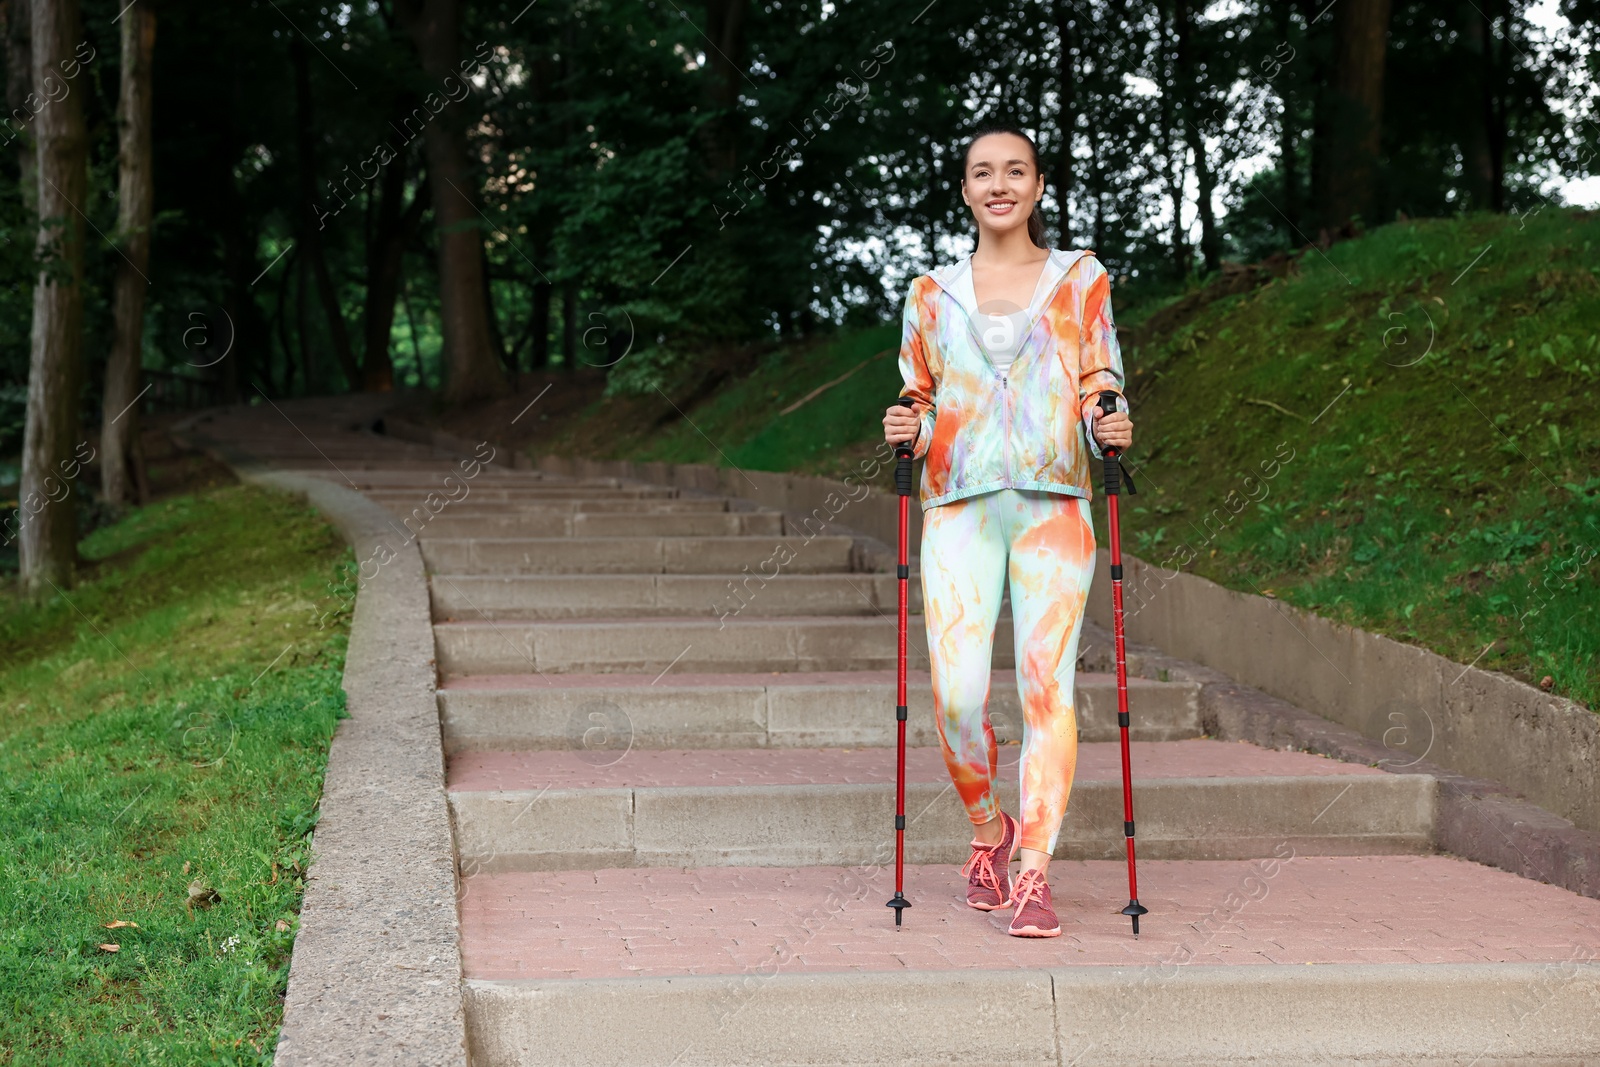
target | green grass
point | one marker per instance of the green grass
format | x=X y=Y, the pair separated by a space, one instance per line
x=165 y=723
x=1443 y=479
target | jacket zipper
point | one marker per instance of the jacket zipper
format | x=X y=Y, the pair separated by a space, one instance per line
x=1005 y=441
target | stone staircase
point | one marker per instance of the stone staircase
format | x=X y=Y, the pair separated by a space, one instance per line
x=672 y=792
x=670 y=779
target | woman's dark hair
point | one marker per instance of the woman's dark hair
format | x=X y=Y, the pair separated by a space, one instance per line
x=1035 y=223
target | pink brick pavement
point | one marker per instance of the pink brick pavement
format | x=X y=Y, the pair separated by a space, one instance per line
x=1300 y=910
x=565 y=769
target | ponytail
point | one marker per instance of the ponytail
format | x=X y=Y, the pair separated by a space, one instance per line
x=1035 y=222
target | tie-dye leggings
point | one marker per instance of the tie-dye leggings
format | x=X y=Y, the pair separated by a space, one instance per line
x=1043 y=543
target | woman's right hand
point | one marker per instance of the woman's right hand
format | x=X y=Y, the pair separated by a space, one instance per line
x=900 y=423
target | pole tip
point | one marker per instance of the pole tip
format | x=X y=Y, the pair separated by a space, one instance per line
x=899 y=903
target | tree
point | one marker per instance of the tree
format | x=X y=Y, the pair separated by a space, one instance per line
x=1196 y=97
x=1361 y=31
x=310 y=224
x=51 y=456
x=1067 y=75
x=120 y=453
x=473 y=373
x=19 y=72
x=393 y=231
x=725 y=21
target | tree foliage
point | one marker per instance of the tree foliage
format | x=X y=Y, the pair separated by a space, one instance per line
x=653 y=180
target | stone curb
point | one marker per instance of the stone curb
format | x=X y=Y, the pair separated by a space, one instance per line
x=375 y=976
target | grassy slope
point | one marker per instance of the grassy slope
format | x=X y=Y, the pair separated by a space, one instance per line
x=1450 y=496
x=820 y=435
x=168 y=723
x=1460 y=465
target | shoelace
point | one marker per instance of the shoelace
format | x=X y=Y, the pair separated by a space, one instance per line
x=1030 y=885
x=982 y=860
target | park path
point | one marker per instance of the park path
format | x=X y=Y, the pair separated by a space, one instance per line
x=670 y=781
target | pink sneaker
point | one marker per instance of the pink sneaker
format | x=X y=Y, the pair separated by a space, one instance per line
x=1034 y=915
x=988 y=869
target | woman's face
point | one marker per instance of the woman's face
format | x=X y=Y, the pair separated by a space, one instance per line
x=1002 y=183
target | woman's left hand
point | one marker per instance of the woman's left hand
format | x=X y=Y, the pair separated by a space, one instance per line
x=1115 y=429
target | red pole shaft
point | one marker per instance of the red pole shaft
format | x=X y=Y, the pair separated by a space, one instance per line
x=900 y=700
x=1122 y=683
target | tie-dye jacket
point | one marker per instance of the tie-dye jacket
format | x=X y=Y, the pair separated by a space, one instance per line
x=981 y=430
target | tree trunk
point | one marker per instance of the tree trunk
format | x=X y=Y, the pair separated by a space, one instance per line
x=385 y=261
x=1287 y=143
x=119 y=424
x=1066 y=82
x=1483 y=148
x=411 y=328
x=303 y=326
x=285 y=279
x=569 y=327
x=51 y=451
x=472 y=373
x=1097 y=181
x=725 y=30
x=1361 y=29
x=1210 y=242
x=1170 y=112
x=1317 y=209
x=539 y=327
x=310 y=226
x=497 y=339
x=1494 y=108
x=19 y=83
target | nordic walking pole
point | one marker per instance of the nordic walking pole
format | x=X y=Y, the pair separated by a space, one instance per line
x=1114 y=476
x=902 y=486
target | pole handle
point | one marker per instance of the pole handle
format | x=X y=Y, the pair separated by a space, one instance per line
x=902 y=458
x=1113 y=469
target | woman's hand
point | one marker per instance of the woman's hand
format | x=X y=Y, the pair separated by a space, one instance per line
x=899 y=424
x=1115 y=429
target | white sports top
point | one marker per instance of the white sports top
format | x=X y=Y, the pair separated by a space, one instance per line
x=1002 y=334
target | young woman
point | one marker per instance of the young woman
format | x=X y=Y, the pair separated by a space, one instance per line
x=1004 y=355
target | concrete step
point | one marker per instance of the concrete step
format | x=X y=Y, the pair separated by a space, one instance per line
x=522 y=494
x=686 y=643
x=424 y=479
x=569 y=596
x=608 y=806
x=727 y=556
x=816 y=709
x=450 y=524
x=468 y=507
x=1297 y=959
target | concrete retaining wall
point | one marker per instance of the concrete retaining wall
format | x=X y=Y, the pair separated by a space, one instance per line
x=1475 y=722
